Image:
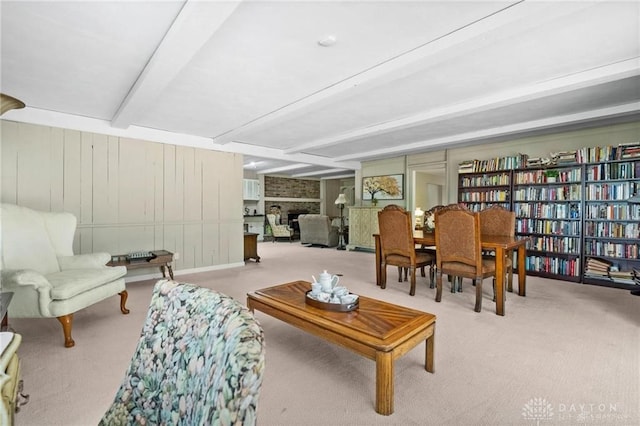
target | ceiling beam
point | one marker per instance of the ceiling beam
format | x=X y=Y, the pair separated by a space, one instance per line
x=495 y=132
x=277 y=154
x=514 y=17
x=319 y=172
x=612 y=72
x=284 y=168
x=345 y=176
x=194 y=26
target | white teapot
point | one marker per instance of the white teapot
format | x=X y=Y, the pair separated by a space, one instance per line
x=327 y=281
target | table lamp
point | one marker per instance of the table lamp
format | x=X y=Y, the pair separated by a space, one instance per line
x=419 y=213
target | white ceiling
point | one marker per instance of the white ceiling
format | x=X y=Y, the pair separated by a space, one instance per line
x=250 y=76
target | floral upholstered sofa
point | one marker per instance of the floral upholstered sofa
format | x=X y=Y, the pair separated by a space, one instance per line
x=199 y=361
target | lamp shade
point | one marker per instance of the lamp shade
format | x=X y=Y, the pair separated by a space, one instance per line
x=419 y=212
x=8 y=102
x=341 y=199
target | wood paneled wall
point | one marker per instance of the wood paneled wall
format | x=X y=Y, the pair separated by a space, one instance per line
x=129 y=194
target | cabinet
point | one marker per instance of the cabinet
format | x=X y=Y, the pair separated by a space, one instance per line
x=363 y=223
x=251 y=189
x=251 y=246
x=549 y=213
x=611 y=224
x=477 y=191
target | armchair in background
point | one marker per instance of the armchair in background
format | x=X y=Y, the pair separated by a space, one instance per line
x=317 y=229
x=46 y=278
x=277 y=230
x=201 y=358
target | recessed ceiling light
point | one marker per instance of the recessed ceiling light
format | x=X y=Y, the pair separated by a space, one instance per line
x=327 y=41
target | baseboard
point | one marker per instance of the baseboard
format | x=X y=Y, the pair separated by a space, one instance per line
x=183 y=272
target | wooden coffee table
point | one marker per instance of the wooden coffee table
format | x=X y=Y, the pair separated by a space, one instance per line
x=377 y=330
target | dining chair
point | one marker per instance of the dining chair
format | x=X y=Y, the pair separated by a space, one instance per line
x=397 y=246
x=496 y=220
x=456 y=282
x=459 y=250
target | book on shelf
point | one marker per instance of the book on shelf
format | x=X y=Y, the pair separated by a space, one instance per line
x=597 y=265
x=621 y=274
x=563 y=157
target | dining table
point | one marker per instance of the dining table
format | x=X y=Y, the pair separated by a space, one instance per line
x=499 y=244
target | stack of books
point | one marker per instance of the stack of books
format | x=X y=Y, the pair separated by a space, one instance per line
x=538 y=161
x=597 y=268
x=466 y=167
x=629 y=150
x=563 y=157
x=622 y=277
x=604 y=270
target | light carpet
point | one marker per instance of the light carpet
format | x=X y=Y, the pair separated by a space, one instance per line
x=569 y=351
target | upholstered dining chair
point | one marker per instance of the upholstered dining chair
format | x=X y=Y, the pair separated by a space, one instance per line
x=397 y=246
x=199 y=361
x=459 y=251
x=496 y=220
x=429 y=216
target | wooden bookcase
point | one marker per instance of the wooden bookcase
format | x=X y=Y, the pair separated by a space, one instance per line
x=581 y=215
x=478 y=191
x=611 y=224
x=549 y=213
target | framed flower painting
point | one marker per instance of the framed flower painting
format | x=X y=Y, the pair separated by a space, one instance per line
x=387 y=187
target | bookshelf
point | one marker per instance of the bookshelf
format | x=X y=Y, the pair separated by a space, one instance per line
x=580 y=226
x=548 y=212
x=611 y=224
x=478 y=191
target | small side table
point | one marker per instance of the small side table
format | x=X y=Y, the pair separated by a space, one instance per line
x=251 y=246
x=161 y=259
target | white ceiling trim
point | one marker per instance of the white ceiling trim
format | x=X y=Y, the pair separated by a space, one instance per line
x=495 y=132
x=94 y=125
x=285 y=168
x=319 y=172
x=194 y=26
x=524 y=13
x=277 y=154
x=86 y=124
x=350 y=175
x=628 y=68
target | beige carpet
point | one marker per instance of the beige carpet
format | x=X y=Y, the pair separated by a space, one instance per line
x=571 y=350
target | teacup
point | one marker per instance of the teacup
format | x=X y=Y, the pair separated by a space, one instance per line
x=323 y=297
x=316 y=288
x=340 y=291
x=348 y=298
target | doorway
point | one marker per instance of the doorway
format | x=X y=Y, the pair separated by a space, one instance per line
x=428 y=186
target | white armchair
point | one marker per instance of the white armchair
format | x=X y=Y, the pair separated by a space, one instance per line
x=277 y=230
x=39 y=267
